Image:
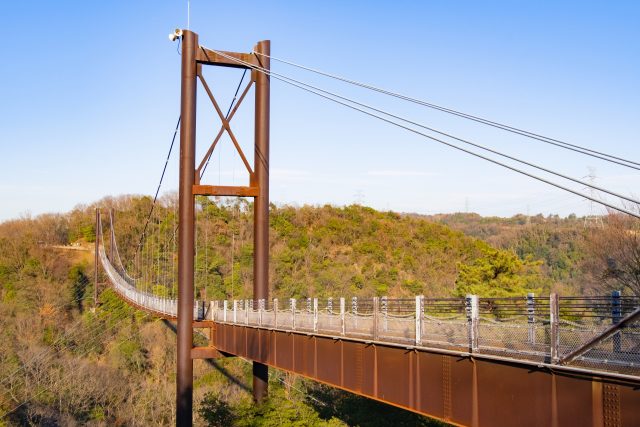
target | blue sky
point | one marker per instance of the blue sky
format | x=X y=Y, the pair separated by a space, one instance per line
x=90 y=97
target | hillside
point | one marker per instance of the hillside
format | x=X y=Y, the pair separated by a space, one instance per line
x=66 y=363
x=319 y=251
x=561 y=243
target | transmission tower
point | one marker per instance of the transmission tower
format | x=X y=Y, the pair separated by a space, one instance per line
x=592 y=219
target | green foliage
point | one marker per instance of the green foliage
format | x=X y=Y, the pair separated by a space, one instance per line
x=88 y=232
x=499 y=274
x=112 y=308
x=315 y=251
x=160 y=290
x=131 y=354
x=353 y=410
x=31 y=267
x=78 y=280
x=8 y=292
x=215 y=411
x=278 y=410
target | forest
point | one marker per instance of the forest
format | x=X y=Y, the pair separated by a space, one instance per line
x=70 y=360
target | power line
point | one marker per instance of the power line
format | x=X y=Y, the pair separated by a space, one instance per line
x=552 y=141
x=302 y=86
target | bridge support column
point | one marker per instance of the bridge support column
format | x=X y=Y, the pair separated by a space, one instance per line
x=186 y=227
x=261 y=204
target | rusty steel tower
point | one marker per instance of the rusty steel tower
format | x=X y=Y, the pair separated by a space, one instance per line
x=194 y=57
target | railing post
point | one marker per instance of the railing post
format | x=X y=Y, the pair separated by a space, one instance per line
x=531 y=318
x=375 y=318
x=235 y=311
x=342 y=324
x=554 y=315
x=275 y=313
x=616 y=316
x=418 y=337
x=292 y=302
x=248 y=304
x=225 y=304
x=315 y=315
x=385 y=311
x=471 y=302
x=260 y=310
x=354 y=311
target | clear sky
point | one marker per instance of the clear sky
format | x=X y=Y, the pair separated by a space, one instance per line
x=90 y=98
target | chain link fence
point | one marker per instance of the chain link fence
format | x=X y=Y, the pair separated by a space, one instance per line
x=539 y=329
x=598 y=332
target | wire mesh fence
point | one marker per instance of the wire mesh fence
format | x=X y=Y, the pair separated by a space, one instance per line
x=599 y=332
x=529 y=327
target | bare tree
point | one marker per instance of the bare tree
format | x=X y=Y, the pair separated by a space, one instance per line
x=612 y=254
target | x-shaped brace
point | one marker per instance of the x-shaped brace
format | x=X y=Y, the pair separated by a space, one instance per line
x=225 y=126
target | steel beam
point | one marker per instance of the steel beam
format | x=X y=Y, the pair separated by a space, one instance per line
x=209 y=57
x=459 y=388
x=222 y=190
x=261 y=203
x=186 y=228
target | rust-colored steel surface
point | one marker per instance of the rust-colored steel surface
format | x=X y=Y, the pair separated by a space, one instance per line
x=261 y=204
x=221 y=190
x=193 y=58
x=186 y=231
x=454 y=387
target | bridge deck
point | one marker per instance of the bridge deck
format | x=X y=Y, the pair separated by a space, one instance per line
x=454 y=365
x=456 y=387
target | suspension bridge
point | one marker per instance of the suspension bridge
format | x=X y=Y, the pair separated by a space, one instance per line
x=532 y=360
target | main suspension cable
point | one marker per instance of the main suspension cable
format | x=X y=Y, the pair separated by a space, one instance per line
x=465 y=141
x=535 y=136
x=317 y=92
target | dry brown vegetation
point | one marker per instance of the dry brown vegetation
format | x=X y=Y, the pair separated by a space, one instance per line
x=64 y=363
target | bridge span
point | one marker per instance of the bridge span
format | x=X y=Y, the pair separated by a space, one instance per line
x=526 y=361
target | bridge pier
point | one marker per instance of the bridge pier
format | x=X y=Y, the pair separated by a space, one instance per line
x=261 y=204
x=193 y=57
x=186 y=231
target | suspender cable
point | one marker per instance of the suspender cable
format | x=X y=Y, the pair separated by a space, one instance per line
x=330 y=96
x=164 y=169
x=535 y=136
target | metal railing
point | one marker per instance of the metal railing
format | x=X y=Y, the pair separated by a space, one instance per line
x=162 y=306
x=539 y=329
x=530 y=328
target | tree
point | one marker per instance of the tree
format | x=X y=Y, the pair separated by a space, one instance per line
x=613 y=254
x=499 y=274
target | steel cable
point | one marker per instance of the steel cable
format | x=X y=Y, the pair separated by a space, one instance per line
x=302 y=86
x=512 y=129
x=155 y=198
